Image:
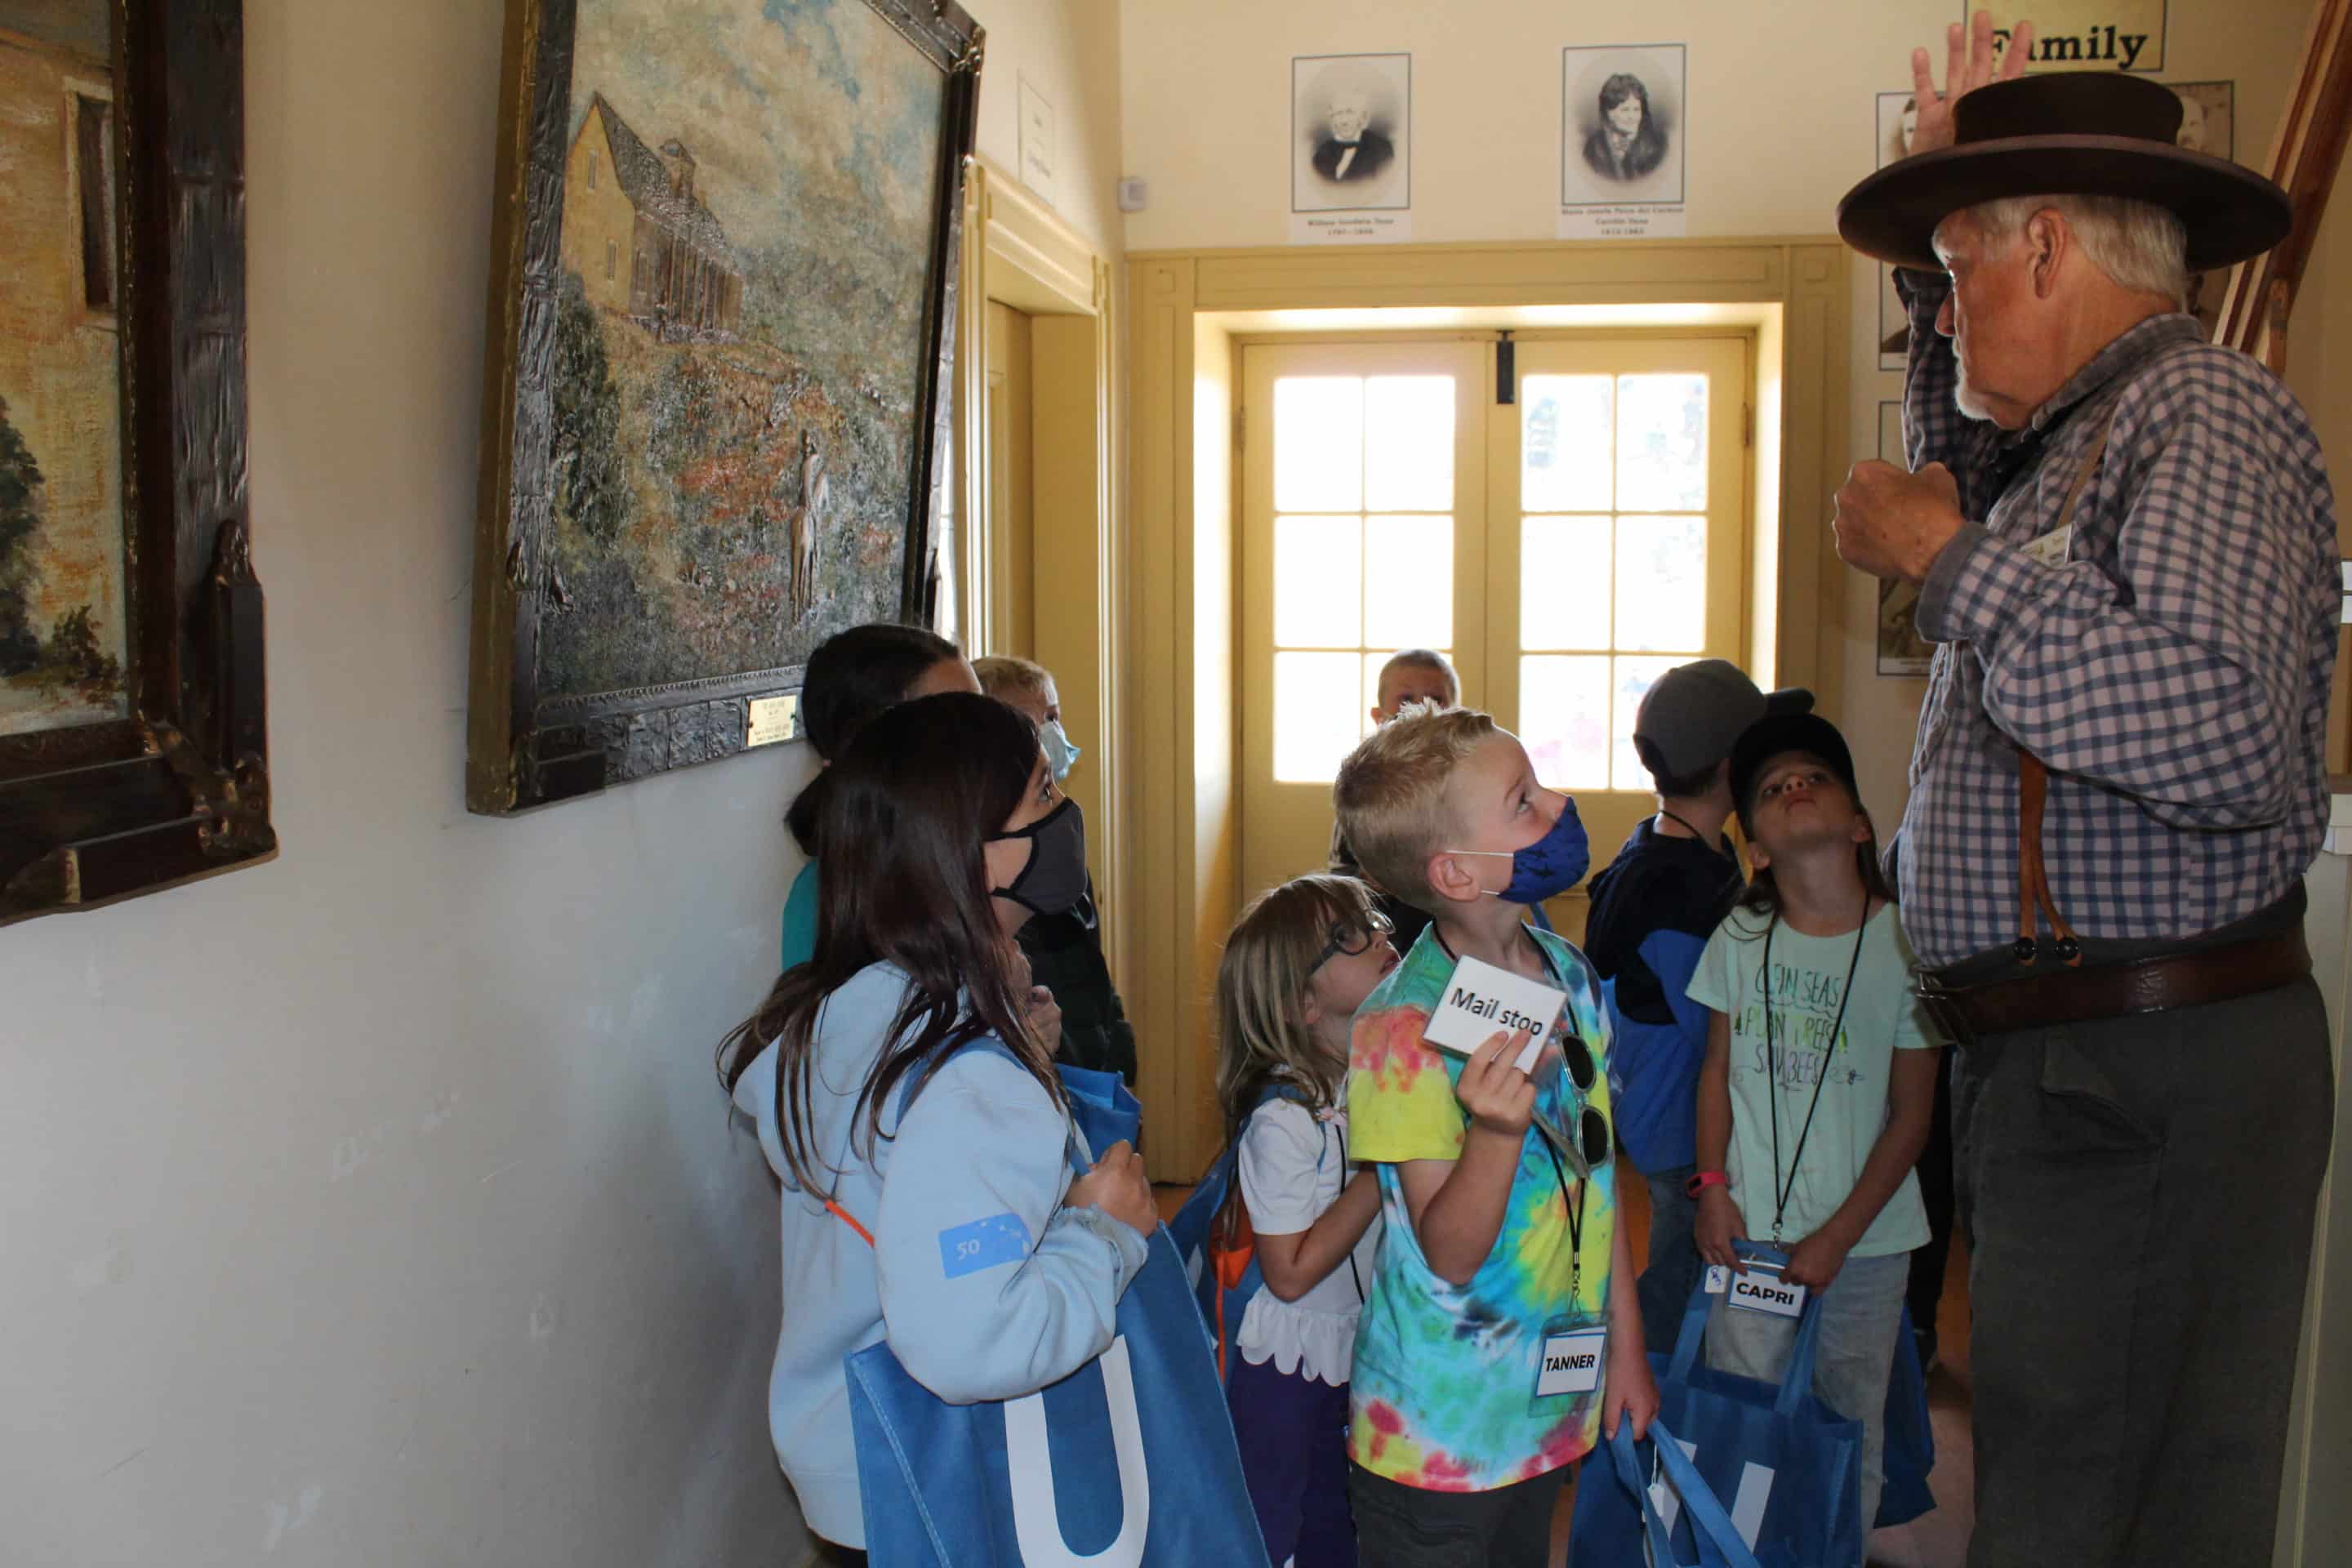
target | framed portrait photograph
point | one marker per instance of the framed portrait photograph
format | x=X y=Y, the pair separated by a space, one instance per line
x=2209 y=114
x=1624 y=111
x=1351 y=133
x=1901 y=650
x=134 y=740
x=1899 y=119
x=722 y=296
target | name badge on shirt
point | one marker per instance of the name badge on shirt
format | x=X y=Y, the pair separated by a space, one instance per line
x=1571 y=1362
x=1760 y=1290
x=2049 y=549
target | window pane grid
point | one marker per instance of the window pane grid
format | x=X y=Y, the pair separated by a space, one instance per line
x=1363 y=480
x=1612 y=562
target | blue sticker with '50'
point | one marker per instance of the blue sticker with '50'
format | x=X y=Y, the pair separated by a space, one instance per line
x=983 y=1244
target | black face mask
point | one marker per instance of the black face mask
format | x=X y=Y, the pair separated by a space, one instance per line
x=1056 y=877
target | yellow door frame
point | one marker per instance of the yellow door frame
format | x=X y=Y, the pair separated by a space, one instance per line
x=1186 y=308
x=1015 y=251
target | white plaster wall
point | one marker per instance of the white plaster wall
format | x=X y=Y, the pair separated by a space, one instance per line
x=1781 y=122
x=1068 y=50
x=379 y=1206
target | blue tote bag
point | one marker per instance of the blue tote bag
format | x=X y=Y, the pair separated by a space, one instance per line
x=1789 y=1468
x=1910 y=1452
x=1128 y=1462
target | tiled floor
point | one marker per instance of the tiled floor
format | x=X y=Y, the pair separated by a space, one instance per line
x=1937 y=1540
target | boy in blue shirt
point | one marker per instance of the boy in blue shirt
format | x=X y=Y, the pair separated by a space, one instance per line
x=1653 y=910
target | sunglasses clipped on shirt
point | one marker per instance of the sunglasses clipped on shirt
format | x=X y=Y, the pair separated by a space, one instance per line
x=1354 y=937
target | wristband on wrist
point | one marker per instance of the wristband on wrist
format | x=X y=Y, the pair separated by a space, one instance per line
x=1704 y=1180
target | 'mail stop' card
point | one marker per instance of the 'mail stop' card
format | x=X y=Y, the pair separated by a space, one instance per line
x=1482 y=1000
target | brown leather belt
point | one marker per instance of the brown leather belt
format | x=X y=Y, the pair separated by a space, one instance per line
x=2071 y=995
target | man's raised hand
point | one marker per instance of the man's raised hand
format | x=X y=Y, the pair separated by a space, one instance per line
x=1968 y=68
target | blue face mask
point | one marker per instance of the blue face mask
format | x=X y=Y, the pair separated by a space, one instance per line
x=1060 y=755
x=1551 y=865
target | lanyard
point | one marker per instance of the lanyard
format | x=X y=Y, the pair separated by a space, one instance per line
x=1575 y=1220
x=1781 y=1192
x=1694 y=831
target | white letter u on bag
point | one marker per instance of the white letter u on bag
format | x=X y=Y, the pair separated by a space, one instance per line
x=1036 y=1520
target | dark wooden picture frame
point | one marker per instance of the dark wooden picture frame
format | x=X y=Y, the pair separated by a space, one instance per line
x=527 y=746
x=179 y=788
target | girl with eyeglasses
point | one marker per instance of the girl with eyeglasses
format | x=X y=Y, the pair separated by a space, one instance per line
x=1300 y=960
x=1818 y=1082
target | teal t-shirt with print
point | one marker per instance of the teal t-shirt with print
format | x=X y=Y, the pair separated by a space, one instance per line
x=1807 y=981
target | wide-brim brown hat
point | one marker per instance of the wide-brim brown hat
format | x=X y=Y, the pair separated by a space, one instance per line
x=2078 y=133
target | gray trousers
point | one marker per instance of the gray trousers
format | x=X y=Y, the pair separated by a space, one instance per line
x=2140 y=1192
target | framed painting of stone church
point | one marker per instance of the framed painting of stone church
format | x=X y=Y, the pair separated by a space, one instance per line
x=133 y=745
x=723 y=286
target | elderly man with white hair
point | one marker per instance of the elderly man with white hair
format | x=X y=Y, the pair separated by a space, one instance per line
x=2126 y=545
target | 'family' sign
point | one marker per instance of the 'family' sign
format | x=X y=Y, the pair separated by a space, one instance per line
x=2087 y=35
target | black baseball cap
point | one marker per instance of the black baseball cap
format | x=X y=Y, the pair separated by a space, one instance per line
x=1694 y=715
x=1777 y=737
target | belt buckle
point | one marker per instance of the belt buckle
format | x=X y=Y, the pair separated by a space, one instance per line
x=1943 y=1008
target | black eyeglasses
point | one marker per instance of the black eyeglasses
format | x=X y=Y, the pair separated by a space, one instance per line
x=1352 y=937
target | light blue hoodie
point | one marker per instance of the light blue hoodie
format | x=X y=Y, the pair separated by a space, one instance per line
x=985 y=1285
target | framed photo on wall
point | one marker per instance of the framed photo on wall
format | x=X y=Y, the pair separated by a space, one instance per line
x=1898 y=117
x=1901 y=649
x=2208 y=115
x=722 y=297
x=1350 y=148
x=1624 y=117
x=134 y=740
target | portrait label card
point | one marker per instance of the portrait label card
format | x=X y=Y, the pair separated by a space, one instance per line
x=1037 y=163
x=1351 y=148
x=1624 y=111
x=2084 y=35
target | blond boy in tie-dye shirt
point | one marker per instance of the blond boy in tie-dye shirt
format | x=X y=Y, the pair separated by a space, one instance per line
x=1500 y=1266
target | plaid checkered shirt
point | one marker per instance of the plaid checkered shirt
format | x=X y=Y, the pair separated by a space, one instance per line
x=2171 y=667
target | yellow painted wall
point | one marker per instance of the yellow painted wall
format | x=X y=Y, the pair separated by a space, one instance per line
x=1781 y=123
x=1068 y=50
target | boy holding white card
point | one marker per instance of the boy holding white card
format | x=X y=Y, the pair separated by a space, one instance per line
x=1819 y=1083
x=1501 y=1331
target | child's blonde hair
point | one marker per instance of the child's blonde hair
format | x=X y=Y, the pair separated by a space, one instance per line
x=1427 y=658
x=1390 y=797
x=1002 y=675
x=1262 y=989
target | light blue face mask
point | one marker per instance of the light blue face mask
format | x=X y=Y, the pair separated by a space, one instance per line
x=1060 y=755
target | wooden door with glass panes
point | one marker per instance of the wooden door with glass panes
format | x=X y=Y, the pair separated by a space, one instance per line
x=1616 y=550
x=1562 y=550
x=1363 y=510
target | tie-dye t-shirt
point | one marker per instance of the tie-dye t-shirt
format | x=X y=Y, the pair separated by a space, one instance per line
x=1443 y=1393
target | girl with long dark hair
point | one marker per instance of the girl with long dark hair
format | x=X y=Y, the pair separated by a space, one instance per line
x=948 y=1224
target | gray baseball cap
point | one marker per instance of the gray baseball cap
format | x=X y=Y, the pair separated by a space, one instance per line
x=1695 y=713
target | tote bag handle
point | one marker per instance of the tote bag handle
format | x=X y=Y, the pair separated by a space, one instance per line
x=1708 y=1519
x=1797 y=1382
